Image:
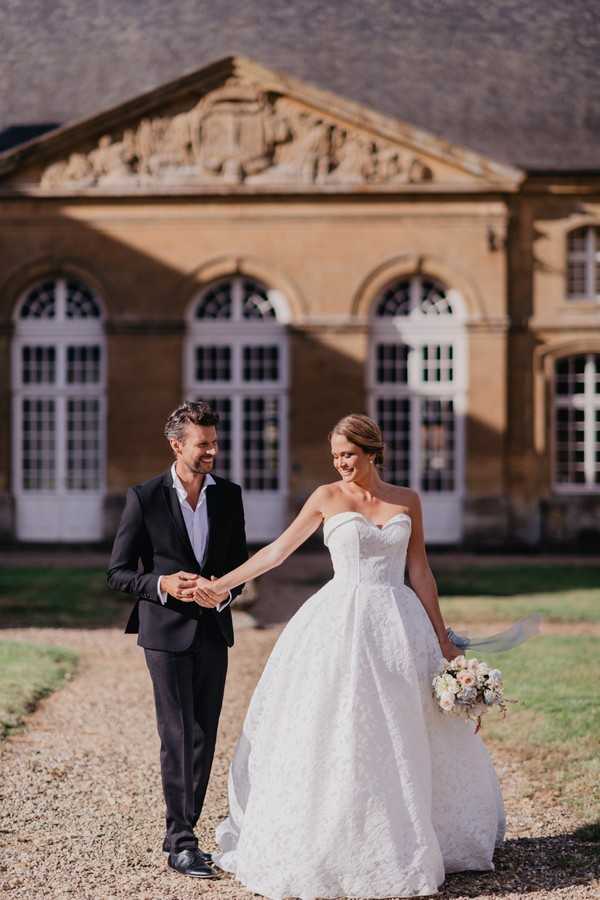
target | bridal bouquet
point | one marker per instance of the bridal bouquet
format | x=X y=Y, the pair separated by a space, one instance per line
x=468 y=688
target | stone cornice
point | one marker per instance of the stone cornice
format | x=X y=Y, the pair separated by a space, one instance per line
x=492 y=325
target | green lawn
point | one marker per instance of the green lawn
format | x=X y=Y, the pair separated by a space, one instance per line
x=559 y=593
x=556 y=722
x=60 y=598
x=29 y=672
x=555 y=726
x=509 y=579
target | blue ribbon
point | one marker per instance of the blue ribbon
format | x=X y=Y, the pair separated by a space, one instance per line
x=504 y=640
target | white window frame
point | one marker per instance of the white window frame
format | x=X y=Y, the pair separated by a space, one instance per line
x=237 y=333
x=417 y=330
x=589 y=402
x=590 y=256
x=60 y=333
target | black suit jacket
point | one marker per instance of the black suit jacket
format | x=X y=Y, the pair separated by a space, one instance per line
x=152 y=533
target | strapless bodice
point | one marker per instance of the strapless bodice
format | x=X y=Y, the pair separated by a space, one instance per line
x=362 y=552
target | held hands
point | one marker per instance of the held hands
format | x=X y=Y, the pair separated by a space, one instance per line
x=207 y=593
x=181 y=585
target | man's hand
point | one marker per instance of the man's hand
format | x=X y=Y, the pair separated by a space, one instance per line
x=181 y=585
x=207 y=595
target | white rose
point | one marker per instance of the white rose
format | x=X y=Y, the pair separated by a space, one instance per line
x=494 y=676
x=447 y=701
x=447 y=684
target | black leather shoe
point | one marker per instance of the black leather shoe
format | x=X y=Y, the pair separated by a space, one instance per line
x=207 y=856
x=191 y=862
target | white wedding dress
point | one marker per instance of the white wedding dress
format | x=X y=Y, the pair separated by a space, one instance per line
x=347 y=780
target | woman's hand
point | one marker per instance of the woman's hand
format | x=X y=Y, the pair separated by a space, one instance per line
x=449 y=650
x=209 y=593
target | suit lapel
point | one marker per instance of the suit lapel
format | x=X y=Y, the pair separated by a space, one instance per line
x=172 y=501
x=212 y=507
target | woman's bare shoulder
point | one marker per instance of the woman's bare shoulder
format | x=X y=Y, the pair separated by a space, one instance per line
x=324 y=495
x=402 y=496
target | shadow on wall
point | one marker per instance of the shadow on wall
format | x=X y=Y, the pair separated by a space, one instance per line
x=145 y=300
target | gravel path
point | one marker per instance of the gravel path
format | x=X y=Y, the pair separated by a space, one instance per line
x=81 y=808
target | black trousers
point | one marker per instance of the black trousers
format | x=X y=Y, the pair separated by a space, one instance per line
x=188 y=694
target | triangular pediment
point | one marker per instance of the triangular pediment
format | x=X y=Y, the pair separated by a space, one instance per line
x=238 y=127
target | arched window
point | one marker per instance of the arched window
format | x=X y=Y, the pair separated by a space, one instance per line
x=583 y=263
x=417 y=383
x=237 y=360
x=577 y=422
x=59 y=412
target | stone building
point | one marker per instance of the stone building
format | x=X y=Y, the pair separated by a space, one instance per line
x=242 y=235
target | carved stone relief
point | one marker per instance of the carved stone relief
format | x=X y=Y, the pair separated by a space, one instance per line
x=239 y=134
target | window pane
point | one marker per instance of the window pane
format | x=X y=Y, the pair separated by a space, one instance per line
x=576 y=286
x=260 y=440
x=570 y=445
x=576 y=240
x=437 y=363
x=38 y=365
x=40 y=302
x=38 y=447
x=260 y=363
x=395 y=301
x=222 y=406
x=83 y=444
x=255 y=301
x=83 y=364
x=434 y=301
x=393 y=416
x=391 y=363
x=583 y=264
x=81 y=303
x=216 y=302
x=437 y=445
x=213 y=363
x=570 y=375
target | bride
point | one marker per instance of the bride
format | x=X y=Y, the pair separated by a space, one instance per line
x=347 y=780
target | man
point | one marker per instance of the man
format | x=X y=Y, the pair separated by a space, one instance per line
x=184 y=527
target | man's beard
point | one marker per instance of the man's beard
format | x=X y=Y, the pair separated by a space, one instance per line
x=202 y=468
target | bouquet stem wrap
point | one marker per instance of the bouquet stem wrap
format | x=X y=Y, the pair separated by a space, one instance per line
x=504 y=640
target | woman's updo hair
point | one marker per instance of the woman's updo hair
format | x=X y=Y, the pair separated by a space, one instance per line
x=362 y=431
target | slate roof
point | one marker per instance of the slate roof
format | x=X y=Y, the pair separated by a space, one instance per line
x=517 y=80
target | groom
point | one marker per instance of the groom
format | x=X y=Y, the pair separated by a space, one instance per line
x=176 y=531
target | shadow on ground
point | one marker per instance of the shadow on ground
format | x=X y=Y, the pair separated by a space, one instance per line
x=530 y=865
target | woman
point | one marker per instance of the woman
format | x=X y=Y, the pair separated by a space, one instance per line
x=347 y=779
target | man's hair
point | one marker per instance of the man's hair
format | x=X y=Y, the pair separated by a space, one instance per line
x=193 y=412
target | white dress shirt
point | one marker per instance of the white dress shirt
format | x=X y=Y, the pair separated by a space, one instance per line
x=196 y=524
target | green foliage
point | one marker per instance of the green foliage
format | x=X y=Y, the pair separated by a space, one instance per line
x=29 y=672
